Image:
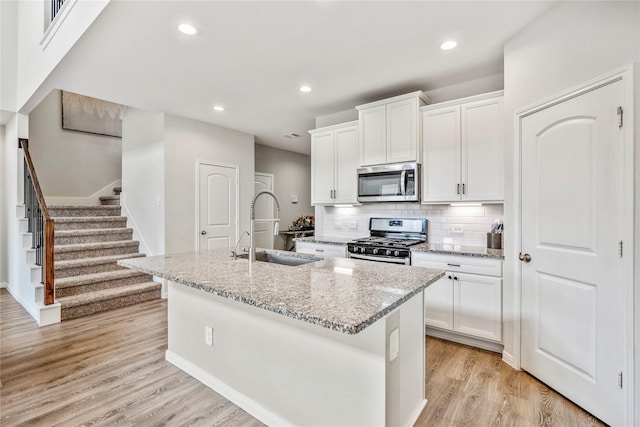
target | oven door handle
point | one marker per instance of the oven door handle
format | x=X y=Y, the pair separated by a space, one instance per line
x=405 y=261
x=403 y=185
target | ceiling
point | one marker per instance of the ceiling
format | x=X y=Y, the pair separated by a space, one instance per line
x=252 y=57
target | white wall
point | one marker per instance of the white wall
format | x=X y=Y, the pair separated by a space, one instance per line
x=572 y=43
x=9 y=55
x=3 y=210
x=292 y=176
x=35 y=60
x=68 y=163
x=187 y=141
x=143 y=172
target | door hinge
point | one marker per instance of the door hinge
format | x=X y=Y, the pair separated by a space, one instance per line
x=620 y=379
x=620 y=248
x=620 y=115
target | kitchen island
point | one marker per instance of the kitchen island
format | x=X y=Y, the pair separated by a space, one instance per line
x=330 y=342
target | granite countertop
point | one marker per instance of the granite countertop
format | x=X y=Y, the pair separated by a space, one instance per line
x=450 y=249
x=330 y=240
x=342 y=294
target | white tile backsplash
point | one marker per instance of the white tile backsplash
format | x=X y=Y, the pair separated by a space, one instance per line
x=463 y=225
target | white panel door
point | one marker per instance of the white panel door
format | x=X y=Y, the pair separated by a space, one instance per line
x=482 y=150
x=438 y=303
x=322 y=168
x=572 y=308
x=402 y=138
x=477 y=305
x=265 y=209
x=373 y=136
x=441 y=154
x=346 y=165
x=217 y=206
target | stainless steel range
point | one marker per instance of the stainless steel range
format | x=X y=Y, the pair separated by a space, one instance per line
x=390 y=240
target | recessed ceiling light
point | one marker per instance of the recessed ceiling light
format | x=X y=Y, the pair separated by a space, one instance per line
x=218 y=108
x=305 y=89
x=188 y=29
x=448 y=45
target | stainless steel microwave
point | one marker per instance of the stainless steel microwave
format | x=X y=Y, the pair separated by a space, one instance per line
x=398 y=182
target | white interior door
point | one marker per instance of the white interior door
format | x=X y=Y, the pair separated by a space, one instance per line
x=265 y=209
x=572 y=308
x=217 y=206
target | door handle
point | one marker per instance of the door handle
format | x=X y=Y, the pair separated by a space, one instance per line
x=524 y=257
x=203 y=232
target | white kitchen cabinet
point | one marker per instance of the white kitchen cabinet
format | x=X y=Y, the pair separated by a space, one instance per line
x=463 y=148
x=390 y=130
x=334 y=163
x=322 y=249
x=463 y=303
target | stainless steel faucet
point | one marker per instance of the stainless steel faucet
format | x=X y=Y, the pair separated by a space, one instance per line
x=276 y=221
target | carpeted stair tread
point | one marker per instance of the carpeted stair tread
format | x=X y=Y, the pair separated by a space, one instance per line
x=97 y=277
x=109 y=200
x=92 y=232
x=83 y=210
x=64 y=219
x=107 y=294
x=76 y=247
x=73 y=263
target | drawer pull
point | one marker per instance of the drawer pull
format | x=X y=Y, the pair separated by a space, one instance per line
x=319 y=250
x=454 y=265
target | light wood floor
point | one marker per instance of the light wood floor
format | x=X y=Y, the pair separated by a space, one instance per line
x=109 y=369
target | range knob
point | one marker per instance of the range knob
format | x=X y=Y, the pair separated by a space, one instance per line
x=362 y=250
x=375 y=251
x=388 y=252
x=396 y=253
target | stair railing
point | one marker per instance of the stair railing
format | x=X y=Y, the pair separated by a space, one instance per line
x=41 y=226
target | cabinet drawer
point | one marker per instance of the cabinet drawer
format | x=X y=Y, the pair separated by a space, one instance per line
x=322 y=249
x=462 y=264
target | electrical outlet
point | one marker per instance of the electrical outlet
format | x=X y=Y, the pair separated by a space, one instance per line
x=208 y=336
x=337 y=223
x=353 y=225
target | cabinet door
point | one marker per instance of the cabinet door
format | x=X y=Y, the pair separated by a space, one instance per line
x=441 y=158
x=402 y=131
x=322 y=249
x=478 y=306
x=482 y=150
x=373 y=133
x=438 y=304
x=322 y=168
x=346 y=165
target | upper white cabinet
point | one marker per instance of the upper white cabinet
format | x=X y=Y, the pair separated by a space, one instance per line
x=390 y=129
x=334 y=163
x=463 y=156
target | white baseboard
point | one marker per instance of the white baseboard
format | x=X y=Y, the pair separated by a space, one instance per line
x=43 y=314
x=4 y=285
x=93 y=199
x=463 y=339
x=509 y=360
x=251 y=406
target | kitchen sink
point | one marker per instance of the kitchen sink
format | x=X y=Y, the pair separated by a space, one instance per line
x=292 y=259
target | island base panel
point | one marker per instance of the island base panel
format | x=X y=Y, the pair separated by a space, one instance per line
x=285 y=371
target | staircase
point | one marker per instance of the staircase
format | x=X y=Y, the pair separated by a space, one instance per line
x=89 y=240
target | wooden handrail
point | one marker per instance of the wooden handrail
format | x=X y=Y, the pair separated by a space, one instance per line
x=49 y=226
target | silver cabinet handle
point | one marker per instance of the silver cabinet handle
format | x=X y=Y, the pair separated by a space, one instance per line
x=457 y=188
x=524 y=257
x=319 y=250
x=463 y=191
x=454 y=265
x=203 y=232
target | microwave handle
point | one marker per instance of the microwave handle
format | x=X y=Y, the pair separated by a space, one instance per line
x=403 y=178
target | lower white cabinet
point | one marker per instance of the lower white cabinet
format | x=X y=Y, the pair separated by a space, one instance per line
x=322 y=249
x=463 y=302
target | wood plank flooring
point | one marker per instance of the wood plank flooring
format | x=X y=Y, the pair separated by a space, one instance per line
x=109 y=369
